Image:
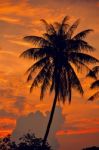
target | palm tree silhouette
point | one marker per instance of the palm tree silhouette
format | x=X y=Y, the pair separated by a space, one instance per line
x=94 y=74
x=58 y=50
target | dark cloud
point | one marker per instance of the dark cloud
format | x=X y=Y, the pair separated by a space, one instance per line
x=6 y=93
x=20 y=103
x=6 y=114
x=62 y=2
x=9 y=93
x=37 y=122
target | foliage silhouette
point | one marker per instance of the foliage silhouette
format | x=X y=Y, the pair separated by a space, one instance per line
x=56 y=53
x=7 y=144
x=27 y=142
x=94 y=74
x=92 y=148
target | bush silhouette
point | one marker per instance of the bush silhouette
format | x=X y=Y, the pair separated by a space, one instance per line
x=92 y=148
x=26 y=142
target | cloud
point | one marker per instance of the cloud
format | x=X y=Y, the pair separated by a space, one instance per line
x=6 y=114
x=9 y=20
x=20 y=103
x=20 y=42
x=6 y=124
x=37 y=122
x=40 y=3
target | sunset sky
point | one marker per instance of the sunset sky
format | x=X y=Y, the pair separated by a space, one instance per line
x=18 y=18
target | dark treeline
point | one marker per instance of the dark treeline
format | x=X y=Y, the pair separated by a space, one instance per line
x=92 y=148
x=26 y=142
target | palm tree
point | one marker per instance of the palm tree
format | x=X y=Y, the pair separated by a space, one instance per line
x=56 y=52
x=94 y=74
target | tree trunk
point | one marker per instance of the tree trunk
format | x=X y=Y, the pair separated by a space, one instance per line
x=50 y=120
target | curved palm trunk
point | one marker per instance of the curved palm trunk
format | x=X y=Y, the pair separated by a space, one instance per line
x=50 y=120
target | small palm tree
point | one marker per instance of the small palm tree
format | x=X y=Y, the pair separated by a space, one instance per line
x=94 y=74
x=57 y=52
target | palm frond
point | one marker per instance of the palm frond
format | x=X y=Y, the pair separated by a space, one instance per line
x=62 y=86
x=80 y=45
x=40 y=77
x=29 y=53
x=36 y=40
x=82 y=34
x=45 y=23
x=93 y=72
x=63 y=26
x=93 y=97
x=38 y=65
x=49 y=27
x=65 y=19
x=36 y=53
x=85 y=58
x=80 y=65
x=96 y=69
x=52 y=87
x=69 y=91
x=75 y=82
x=49 y=37
x=72 y=28
x=68 y=85
x=46 y=81
x=57 y=25
x=95 y=84
x=64 y=22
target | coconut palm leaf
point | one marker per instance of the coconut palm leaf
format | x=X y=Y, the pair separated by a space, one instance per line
x=82 y=34
x=62 y=28
x=46 y=82
x=72 y=28
x=85 y=58
x=93 y=97
x=40 y=77
x=93 y=73
x=80 y=66
x=49 y=27
x=79 y=45
x=95 y=84
x=36 y=40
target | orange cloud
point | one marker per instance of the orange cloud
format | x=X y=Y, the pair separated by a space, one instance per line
x=84 y=131
x=6 y=126
x=22 y=43
x=7 y=120
x=4 y=132
x=9 y=20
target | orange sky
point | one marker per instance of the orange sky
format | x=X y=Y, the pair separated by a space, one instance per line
x=19 y=18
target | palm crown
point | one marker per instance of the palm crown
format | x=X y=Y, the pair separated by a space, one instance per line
x=57 y=50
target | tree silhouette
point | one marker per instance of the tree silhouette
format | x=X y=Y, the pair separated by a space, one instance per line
x=94 y=74
x=92 y=148
x=30 y=142
x=7 y=144
x=56 y=53
x=26 y=142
